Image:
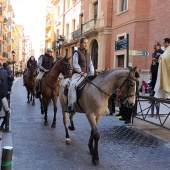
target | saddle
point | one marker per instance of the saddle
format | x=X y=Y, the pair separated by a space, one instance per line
x=80 y=86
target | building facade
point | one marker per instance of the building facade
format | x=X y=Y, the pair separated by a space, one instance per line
x=106 y=21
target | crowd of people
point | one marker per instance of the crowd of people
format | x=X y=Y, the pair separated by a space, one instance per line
x=6 y=81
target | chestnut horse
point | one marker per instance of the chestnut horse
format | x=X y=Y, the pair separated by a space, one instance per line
x=94 y=101
x=49 y=86
x=30 y=84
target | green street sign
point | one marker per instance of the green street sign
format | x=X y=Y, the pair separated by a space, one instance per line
x=121 y=44
x=138 y=53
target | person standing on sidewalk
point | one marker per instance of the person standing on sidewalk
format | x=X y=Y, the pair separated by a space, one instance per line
x=44 y=64
x=155 y=63
x=162 y=87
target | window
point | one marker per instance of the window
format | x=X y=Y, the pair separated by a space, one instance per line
x=58 y=11
x=67 y=29
x=123 y=5
x=73 y=25
x=0 y=46
x=66 y=51
x=120 y=59
x=0 y=9
x=68 y=4
x=95 y=10
x=0 y=27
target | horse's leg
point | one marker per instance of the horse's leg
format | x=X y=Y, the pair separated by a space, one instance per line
x=71 y=127
x=55 y=111
x=28 y=96
x=45 y=106
x=31 y=96
x=41 y=105
x=33 y=99
x=90 y=144
x=65 y=121
x=94 y=136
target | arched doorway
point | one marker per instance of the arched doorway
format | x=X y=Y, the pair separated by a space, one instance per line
x=94 y=54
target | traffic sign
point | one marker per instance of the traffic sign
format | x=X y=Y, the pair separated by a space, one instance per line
x=121 y=44
x=138 y=53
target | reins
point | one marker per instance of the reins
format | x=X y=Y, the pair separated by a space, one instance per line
x=116 y=91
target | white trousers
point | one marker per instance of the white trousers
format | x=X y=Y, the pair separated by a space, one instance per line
x=39 y=76
x=75 y=81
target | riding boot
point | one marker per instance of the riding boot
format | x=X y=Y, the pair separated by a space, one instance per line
x=69 y=108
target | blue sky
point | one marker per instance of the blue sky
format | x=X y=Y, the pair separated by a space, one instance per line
x=31 y=14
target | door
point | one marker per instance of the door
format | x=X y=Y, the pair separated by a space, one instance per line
x=95 y=54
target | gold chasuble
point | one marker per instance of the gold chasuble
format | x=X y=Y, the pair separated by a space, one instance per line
x=162 y=87
x=165 y=70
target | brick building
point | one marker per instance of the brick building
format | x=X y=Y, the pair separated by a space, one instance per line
x=107 y=21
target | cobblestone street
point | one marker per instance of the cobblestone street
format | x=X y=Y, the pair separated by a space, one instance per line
x=39 y=147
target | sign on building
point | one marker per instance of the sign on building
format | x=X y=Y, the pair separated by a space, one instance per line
x=121 y=44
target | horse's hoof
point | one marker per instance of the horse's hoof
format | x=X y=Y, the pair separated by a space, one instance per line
x=33 y=104
x=45 y=123
x=53 y=125
x=68 y=141
x=42 y=112
x=71 y=128
x=95 y=162
x=28 y=101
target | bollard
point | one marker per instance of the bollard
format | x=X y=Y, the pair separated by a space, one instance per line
x=7 y=122
x=7 y=158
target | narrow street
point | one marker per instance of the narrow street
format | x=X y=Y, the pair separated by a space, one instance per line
x=37 y=147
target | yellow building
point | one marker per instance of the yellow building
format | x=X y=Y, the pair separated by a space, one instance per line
x=16 y=38
x=49 y=27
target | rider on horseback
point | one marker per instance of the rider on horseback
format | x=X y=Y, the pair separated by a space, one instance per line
x=30 y=63
x=44 y=64
x=82 y=65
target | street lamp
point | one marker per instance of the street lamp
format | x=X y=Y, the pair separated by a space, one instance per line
x=13 y=54
x=60 y=43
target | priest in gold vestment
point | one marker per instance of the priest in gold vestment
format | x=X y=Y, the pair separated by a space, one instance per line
x=162 y=87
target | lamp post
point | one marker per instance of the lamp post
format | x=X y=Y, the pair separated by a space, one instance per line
x=13 y=54
x=59 y=44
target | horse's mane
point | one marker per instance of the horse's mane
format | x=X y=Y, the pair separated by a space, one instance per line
x=106 y=75
x=55 y=63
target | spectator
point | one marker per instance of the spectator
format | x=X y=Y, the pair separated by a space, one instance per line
x=155 y=63
x=3 y=111
x=4 y=77
x=10 y=76
x=162 y=87
x=143 y=88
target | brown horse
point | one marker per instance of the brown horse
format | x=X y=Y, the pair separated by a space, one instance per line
x=49 y=86
x=31 y=85
x=94 y=101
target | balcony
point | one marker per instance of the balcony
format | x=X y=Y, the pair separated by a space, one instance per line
x=90 y=27
x=68 y=38
x=77 y=33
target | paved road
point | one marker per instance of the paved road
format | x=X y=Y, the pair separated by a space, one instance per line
x=37 y=147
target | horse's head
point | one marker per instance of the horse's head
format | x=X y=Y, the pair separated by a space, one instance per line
x=65 y=67
x=128 y=88
x=33 y=70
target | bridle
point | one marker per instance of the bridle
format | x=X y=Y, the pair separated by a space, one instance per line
x=68 y=67
x=117 y=91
